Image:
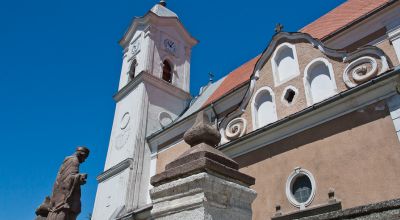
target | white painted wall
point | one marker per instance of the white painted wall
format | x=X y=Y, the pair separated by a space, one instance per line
x=111 y=199
x=138 y=40
x=394 y=108
x=394 y=37
x=180 y=61
x=137 y=113
x=134 y=104
x=161 y=101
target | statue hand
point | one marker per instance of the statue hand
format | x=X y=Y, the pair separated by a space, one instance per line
x=83 y=178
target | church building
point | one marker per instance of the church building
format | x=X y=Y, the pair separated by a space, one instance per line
x=314 y=118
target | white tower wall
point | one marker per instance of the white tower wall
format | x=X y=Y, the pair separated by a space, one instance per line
x=145 y=103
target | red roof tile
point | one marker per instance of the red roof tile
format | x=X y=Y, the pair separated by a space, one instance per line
x=341 y=16
x=233 y=80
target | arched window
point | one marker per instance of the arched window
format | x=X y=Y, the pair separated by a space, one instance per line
x=167 y=72
x=319 y=81
x=132 y=70
x=284 y=63
x=264 y=111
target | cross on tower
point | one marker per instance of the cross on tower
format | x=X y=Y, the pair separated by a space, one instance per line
x=278 y=28
x=163 y=3
x=211 y=75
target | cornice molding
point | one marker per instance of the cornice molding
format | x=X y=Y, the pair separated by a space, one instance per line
x=128 y=87
x=343 y=103
x=167 y=87
x=150 y=18
x=114 y=170
x=159 y=83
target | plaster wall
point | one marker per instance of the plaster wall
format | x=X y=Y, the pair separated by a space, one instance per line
x=356 y=154
x=109 y=200
x=306 y=54
x=389 y=50
x=150 y=54
x=161 y=101
x=129 y=54
x=180 y=60
x=123 y=141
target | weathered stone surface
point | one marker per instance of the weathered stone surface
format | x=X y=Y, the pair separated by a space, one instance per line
x=203 y=150
x=202 y=132
x=311 y=211
x=202 y=157
x=202 y=196
x=387 y=210
x=202 y=164
x=202 y=183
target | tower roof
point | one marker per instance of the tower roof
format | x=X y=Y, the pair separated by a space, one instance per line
x=162 y=11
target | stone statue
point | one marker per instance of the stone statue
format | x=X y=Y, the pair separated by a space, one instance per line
x=43 y=210
x=65 y=201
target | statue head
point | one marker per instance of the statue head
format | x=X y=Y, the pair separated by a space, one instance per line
x=82 y=153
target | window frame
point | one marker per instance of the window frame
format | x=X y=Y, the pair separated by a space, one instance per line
x=297 y=172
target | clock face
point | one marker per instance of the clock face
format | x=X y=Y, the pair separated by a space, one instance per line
x=170 y=46
x=125 y=121
x=135 y=46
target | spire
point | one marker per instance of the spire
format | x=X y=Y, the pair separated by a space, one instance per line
x=278 y=28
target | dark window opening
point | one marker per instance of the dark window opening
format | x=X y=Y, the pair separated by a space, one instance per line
x=167 y=72
x=301 y=188
x=132 y=70
x=289 y=96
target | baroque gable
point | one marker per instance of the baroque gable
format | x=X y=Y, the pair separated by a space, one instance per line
x=295 y=72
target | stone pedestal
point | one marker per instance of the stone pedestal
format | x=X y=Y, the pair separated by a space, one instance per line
x=202 y=196
x=202 y=183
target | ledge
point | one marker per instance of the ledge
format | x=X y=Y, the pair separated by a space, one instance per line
x=378 y=88
x=312 y=211
x=159 y=83
x=364 y=210
x=142 y=212
x=114 y=170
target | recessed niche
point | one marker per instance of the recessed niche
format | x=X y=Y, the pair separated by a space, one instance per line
x=285 y=65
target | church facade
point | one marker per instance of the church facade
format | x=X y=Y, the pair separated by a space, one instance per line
x=315 y=118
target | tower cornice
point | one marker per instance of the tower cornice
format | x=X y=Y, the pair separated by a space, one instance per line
x=159 y=83
x=150 y=18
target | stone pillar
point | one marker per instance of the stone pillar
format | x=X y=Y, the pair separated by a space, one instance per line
x=202 y=183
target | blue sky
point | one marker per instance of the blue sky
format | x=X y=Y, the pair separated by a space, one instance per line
x=60 y=65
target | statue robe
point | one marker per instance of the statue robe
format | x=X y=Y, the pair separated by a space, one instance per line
x=65 y=200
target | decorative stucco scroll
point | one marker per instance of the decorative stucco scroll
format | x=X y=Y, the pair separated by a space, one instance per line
x=235 y=128
x=360 y=70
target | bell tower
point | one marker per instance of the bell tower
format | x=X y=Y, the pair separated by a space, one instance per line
x=153 y=91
